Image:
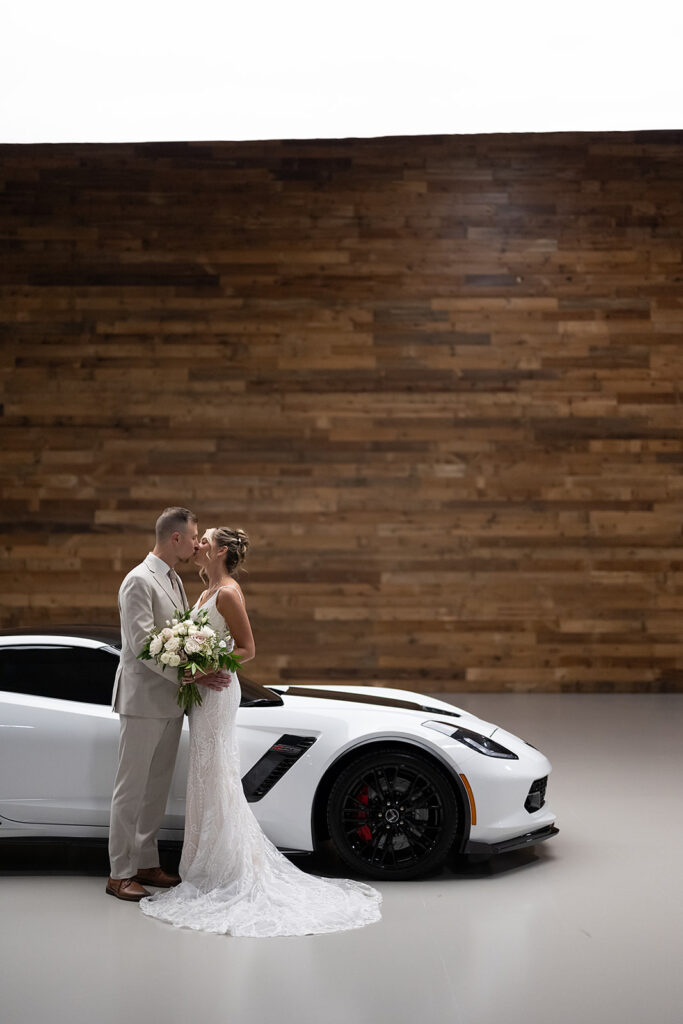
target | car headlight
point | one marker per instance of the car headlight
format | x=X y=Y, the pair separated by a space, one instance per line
x=482 y=744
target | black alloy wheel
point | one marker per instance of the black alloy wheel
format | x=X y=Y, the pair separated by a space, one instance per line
x=392 y=814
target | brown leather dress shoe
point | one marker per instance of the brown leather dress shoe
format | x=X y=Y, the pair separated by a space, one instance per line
x=126 y=889
x=157 y=876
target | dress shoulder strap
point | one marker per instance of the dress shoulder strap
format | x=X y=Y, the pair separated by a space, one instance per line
x=235 y=590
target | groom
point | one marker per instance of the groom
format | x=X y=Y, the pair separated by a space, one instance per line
x=150 y=719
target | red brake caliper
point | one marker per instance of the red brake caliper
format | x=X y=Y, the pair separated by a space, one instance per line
x=363 y=832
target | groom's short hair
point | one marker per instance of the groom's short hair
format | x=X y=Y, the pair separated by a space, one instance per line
x=173 y=519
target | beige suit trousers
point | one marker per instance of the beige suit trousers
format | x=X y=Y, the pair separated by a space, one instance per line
x=147 y=754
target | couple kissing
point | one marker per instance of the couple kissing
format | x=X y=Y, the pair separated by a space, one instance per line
x=232 y=879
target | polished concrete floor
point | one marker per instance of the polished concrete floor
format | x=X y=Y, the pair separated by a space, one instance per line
x=586 y=928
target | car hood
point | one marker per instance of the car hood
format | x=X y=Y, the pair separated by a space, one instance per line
x=372 y=698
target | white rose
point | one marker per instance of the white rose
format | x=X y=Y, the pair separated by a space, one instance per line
x=172 y=645
x=166 y=634
x=173 y=660
x=165 y=658
x=181 y=629
x=207 y=631
x=156 y=645
x=191 y=646
x=222 y=644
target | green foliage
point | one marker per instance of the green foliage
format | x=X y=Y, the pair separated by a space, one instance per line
x=195 y=646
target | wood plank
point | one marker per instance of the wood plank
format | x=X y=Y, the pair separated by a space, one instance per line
x=438 y=380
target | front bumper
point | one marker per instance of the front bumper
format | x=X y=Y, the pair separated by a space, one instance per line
x=517 y=843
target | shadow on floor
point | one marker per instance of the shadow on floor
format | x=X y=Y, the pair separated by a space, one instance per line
x=89 y=857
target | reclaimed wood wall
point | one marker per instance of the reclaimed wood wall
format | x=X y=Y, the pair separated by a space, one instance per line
x=438 y=380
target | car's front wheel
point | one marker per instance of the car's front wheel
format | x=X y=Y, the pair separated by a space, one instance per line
x=392 y=814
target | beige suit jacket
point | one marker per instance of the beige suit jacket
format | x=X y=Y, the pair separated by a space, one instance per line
x=146 y=600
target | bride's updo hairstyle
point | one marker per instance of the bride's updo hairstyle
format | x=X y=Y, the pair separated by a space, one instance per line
x=237 y=543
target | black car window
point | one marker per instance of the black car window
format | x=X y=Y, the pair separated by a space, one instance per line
x=68 y=673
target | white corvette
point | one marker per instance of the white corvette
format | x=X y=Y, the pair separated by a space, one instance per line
x=396 y=780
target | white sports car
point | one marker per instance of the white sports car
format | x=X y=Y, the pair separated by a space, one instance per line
x=396 y=780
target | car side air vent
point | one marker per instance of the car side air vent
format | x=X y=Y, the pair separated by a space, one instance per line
x=275 y=763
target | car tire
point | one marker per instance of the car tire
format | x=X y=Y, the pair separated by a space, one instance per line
x=393 y=814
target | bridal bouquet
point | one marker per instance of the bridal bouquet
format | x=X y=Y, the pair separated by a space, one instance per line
x=189 y=644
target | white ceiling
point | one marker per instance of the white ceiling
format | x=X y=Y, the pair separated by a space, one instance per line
x=162 y=70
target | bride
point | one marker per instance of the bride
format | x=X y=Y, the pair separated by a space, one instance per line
x=234 y=880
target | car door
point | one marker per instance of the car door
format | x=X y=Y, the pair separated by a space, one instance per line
x=58 y=736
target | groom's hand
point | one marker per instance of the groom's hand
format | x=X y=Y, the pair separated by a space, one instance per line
x=213 y=680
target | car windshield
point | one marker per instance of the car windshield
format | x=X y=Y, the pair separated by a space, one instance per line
x=253 y=694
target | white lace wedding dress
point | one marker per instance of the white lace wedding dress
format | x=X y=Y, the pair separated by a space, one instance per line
x=234 y=880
